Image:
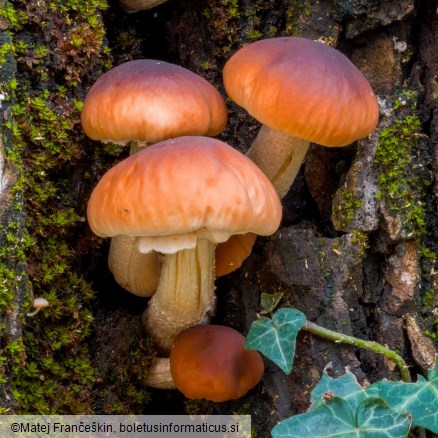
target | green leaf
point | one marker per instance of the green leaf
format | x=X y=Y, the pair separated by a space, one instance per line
x=345 y=387
x=335 y=418
x=270 y=301
x=276 y=338
x=420 y=399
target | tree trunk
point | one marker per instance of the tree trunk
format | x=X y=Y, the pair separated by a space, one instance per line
x=357 y=248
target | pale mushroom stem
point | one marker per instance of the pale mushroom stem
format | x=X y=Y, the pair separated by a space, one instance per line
x=185 y=295
x=159 y=374
x=279 y=156
x=137 y=146
x=136 y=272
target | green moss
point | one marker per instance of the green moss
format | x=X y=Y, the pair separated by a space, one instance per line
x=233 y=9
x=348 y=203
x=295 y=10
x=360 y=238
x=253 y=34
x=224 y=23
x=402 y=180
x=430 y=307
x=55 y=44
x=124 y=393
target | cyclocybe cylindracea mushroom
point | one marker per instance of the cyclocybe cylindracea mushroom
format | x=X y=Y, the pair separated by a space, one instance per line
x=141 y=102
x=210 y=362
x=146 y=101
x=302 y=91
x=181 y=197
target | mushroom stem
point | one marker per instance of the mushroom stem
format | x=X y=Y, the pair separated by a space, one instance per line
x=159 y=374
x=137 y=146
x=136 y=272
x=279 y=155
x=185 y=295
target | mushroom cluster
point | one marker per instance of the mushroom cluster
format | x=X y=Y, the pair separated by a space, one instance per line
x=188 y=207
x=140 y=103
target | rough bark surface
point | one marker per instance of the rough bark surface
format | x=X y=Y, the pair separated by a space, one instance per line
x=357 y=248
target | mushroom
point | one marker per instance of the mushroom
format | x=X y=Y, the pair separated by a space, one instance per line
x=181 y=197
x=302 y=91
x=141 y=102
x=210 y=362
x=38 y=304
x=146 y=101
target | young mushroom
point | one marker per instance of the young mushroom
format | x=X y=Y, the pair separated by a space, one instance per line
x=210 y=362
x=302 y=91
x=141 y=102
x=181 y=197
x=38 y=304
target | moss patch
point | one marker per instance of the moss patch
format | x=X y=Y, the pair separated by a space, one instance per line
x=58 y=46
x=403 y=179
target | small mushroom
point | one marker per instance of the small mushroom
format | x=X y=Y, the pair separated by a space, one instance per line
x=210 y=362
x=302 y=91
x=38 y=304
x=181 y=197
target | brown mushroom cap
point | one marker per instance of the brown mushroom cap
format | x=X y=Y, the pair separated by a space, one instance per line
x=149 y=100
x=303 y=88
x=182 y=186
x=210 y=362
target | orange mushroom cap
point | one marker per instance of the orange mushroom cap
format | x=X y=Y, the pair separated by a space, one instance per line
x=231 y=254
x=210 y=362
x=182 y=186
x=303 y=88
x=149 y=100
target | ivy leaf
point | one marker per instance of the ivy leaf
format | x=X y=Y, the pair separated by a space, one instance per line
x=420 y=399
x=373 y=418
x=276 y=337
x=270 y=301
x=345 y=387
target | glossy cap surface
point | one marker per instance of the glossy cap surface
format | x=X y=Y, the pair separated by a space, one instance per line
x=182 y=186
x=149 y=100
x=210 y=362
x=303 y=88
